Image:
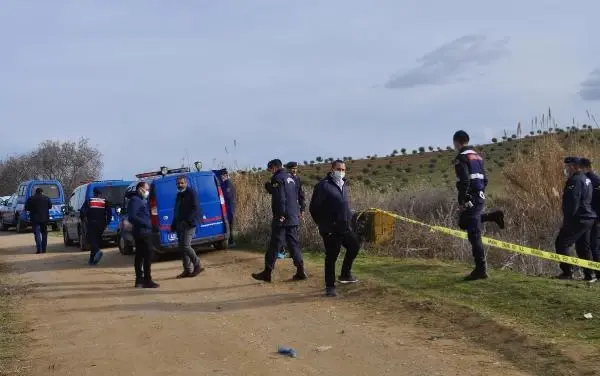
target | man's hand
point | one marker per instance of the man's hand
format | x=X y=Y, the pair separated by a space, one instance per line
x=281 y=219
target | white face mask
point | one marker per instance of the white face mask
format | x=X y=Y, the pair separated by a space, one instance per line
x=339 y=175
x=566 y=172
x=145 y=194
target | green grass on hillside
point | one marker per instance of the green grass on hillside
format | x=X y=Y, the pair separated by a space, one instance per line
x=430 y=166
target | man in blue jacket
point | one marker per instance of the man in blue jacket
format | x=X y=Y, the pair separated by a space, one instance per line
x=95 y=214
x=595 y=232
x=578 y=217
x=285 y=222
x=330 y=209
x=139 y=216
x=230 y=201
x=187 y=217
x=471 y=182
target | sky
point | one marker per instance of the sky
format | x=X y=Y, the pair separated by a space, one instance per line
x=238 y=83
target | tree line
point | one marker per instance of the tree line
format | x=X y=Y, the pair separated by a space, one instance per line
x=70 y=162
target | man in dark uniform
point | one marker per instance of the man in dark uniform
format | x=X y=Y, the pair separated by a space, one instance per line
x=471 y=181
x=595 y=232
x=230 y=201
x=95 y=215
x=330 y=209
x=187 y=216
x=286 y=219
x=578 y=217
x=139 y=216
x=39 y=207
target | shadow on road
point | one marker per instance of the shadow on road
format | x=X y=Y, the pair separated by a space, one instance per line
x=213 y=306
x=128 y=291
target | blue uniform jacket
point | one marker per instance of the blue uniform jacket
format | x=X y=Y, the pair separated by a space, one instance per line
x=471 y=179
x=284 y=198
x=301 y=197
x=577 y=198
x=595 y=179
x=230 y=199
x=330 y=207
x=139 y=216
x=96 y=210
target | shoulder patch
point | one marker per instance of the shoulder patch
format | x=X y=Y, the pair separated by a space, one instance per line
x=571 y=186
x=290 y=180
x=275 y=184
x=588 y=182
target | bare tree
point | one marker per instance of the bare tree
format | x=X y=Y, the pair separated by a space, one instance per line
x=69 y=162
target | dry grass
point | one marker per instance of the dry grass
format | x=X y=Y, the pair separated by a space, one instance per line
x=11 y=328
x=528 y=190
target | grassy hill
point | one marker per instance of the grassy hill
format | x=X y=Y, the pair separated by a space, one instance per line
x=434 y=164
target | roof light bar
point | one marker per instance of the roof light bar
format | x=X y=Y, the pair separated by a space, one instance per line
x=163 y=171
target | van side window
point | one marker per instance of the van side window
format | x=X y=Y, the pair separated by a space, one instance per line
x=81 y=197
x=73 y=199
x=21 y=191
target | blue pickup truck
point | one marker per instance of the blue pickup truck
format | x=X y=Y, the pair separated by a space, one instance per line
x=214 y=229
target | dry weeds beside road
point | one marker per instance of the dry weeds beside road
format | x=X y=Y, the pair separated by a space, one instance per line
x=91 y=321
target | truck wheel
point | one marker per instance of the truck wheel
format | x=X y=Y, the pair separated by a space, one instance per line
x=221 y=245
x=5 y=227
x=66 y=240
x=124 y=248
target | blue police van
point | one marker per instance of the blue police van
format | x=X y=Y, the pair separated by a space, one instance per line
x=214 y=229
x=73 y=230
x=14 y=213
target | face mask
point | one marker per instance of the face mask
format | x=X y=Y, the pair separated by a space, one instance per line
x=339 y=175
x=566 y=172
x=145 y=194
x=181 y=189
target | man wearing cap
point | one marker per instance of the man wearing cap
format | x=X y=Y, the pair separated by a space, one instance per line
x=292 y=168
x=39 y=207
x=286 y=219
x=595 y=232
x=471 y=181
x=230 y=201
x=95 y=215
x=578 y=217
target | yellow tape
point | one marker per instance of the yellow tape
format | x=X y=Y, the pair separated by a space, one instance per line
x=498 y=243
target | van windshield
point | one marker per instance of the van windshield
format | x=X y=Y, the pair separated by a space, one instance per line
x=50 y=190
x=113 y=194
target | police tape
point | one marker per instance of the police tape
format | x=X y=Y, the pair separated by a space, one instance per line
x=497 y=243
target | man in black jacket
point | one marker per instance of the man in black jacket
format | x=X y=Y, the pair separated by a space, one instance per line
x=39 y=207
x=595 y=232
x=284 y=226
x=186 y=218
x=330 y=209
x=578 y=217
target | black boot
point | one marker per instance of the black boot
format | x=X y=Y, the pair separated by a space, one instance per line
x=265 y=275
x=478 y=273
x=300 y=274
x=499 y=218
x=139 y=283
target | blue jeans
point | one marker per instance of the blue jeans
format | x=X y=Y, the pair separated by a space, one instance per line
x=40 y=234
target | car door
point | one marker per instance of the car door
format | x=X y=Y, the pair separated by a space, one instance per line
x=7 y=214
x=73 y=216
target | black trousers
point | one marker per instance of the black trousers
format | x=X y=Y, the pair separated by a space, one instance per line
x=333 y=243
x=93 y=235
x=143 y=258
x=470 y=220
x=231 y=231
x=578 y=233
x=279 y=236
x=595 y=241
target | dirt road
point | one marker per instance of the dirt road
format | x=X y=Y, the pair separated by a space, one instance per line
x=91 y=321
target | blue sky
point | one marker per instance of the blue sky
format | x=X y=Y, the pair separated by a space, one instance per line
x=151 y=82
